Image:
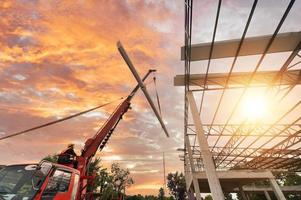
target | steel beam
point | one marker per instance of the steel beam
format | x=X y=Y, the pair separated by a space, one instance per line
x=283 y=145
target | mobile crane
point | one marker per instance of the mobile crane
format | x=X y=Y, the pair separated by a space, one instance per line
x=46 y=180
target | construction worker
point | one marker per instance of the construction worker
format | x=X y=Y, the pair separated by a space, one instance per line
x=70 y=150
x=68 y=156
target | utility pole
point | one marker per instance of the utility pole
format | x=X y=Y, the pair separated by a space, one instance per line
x=164 y=178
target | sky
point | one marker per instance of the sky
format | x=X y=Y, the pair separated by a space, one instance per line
x=60 y=57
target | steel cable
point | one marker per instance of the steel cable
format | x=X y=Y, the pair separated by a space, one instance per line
x=57 y=121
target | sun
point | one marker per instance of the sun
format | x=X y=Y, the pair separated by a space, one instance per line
x=254 y=107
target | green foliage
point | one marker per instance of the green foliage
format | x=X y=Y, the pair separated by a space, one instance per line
x=120 y=178
x=161 y=194
x=106 y=183
x=208 y=197
x=136 y=197
x=229 y=196
x=290 y=179
x=95 y=167
x=147 y=197
x=51 y=158
x=177 y=185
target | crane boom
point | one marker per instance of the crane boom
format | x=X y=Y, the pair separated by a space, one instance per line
x=101 y=138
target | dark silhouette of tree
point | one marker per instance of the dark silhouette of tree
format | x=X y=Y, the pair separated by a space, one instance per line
x=146 y=197
x=161 y=194
x=120 y=178
x=136 y=197
x=228 y=196
x=177 y=185
x=51 y=158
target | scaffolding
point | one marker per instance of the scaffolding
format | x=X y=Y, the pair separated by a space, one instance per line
x=228 y=156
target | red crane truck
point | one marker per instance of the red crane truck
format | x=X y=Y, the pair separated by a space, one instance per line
x=46 y=180
x=51 y=181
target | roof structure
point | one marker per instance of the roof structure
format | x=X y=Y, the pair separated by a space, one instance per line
x=213 y=106
x=277 y=153
x=274 y=150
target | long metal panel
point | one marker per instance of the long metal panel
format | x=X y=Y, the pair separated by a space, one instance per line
x=251 y=46
x=263 y=78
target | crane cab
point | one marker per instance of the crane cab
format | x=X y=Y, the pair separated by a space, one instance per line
x=41 y=181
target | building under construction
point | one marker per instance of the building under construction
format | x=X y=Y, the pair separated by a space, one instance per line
x=230 y=152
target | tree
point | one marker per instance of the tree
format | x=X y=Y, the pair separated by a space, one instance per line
x=177 y=185
x=146 y=197
x=290 y=179
x=96 y=169
x=120 y=178
x=161 y=194
x=229 y=196
x=105 y=183
x=135 y=197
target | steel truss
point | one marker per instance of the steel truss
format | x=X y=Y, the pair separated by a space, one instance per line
x=243 y=145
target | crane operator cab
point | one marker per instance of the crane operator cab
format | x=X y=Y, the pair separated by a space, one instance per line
x=39 y=182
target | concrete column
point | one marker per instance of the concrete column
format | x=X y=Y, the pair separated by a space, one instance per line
x=248 y=195
x=214 y=184
x=243 y=194
x=187 y=173
x=194 y=180
x=277 y=190
x=267 y=195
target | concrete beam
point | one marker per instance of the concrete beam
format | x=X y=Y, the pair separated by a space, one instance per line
x=240 y=79
x=260 y=189
x=239 y=174
x=251 y=46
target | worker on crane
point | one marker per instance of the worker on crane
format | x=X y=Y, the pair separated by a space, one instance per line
x=68 y=156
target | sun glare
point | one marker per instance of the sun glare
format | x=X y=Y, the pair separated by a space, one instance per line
x=254 y=107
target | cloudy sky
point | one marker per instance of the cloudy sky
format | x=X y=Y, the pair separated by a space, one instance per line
x=60 y=57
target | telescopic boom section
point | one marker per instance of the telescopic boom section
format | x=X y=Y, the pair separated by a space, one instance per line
x=92 y=144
